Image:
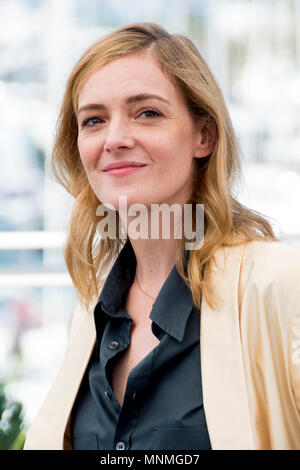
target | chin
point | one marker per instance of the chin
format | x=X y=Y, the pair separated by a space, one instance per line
x=126 y=199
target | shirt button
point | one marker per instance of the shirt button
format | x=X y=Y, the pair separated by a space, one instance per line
x=107 y=395
x=120 y=446
x=113 y=345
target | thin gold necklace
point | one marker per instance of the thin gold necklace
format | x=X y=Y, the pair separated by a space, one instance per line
x=153 y=298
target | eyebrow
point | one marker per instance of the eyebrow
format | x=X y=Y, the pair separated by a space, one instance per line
x=131 y=99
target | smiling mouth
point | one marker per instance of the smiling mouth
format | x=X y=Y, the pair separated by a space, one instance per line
x=124 y=170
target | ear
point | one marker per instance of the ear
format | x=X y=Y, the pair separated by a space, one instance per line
x=206 y=132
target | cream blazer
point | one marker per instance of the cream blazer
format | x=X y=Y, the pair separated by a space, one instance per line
x=250 y=355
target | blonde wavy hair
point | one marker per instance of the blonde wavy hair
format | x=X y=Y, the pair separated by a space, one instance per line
x=226 y=221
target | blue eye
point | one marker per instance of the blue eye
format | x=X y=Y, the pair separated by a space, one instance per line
x=152 y=113
x=91 y=121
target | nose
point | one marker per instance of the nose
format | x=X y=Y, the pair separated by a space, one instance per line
x=118 y=137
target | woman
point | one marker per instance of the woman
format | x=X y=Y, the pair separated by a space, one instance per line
x=174 y=348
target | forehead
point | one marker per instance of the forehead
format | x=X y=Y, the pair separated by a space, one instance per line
x=135 y=73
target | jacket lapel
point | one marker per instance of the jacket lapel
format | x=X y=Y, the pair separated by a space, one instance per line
x=224 y=387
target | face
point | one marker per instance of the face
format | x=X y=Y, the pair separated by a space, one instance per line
x=133 y=119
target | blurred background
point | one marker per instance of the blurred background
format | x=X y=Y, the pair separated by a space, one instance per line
x=253 y=49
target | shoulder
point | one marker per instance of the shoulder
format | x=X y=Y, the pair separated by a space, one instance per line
x=273 y=252
x=269 y=285
x=261 y=278
x=260 y=261
x=257 y=269
x=271 y=261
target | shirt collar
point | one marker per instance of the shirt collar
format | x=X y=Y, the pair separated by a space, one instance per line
x=118 y=280
x=171 y=308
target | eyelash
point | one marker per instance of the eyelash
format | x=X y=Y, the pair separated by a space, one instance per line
x=85 y=121
x=157 y=114
x=151 y=111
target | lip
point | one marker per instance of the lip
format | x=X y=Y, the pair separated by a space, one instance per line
x=118 y=169
x=125 y=164
x=125 y=170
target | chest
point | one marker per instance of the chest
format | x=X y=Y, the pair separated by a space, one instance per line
x=142 y=341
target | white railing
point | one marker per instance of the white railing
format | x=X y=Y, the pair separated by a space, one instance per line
x=31 y=240
x=35 y=276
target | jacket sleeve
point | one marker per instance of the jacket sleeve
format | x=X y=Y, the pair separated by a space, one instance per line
x=294 y=340
x=271 y=324
x=287 y=281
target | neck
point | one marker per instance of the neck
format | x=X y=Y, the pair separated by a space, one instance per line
x=154 y=262
x=155 y=254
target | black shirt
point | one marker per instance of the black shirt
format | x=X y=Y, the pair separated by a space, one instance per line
x=163 y=404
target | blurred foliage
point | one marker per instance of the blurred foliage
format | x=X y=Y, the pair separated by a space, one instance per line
x=11 y=419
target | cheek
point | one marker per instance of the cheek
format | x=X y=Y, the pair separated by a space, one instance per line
x=176 y=153
x=88 y=150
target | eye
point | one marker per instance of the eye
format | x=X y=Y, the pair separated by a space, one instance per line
x=150 y=113
x=91 y=121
